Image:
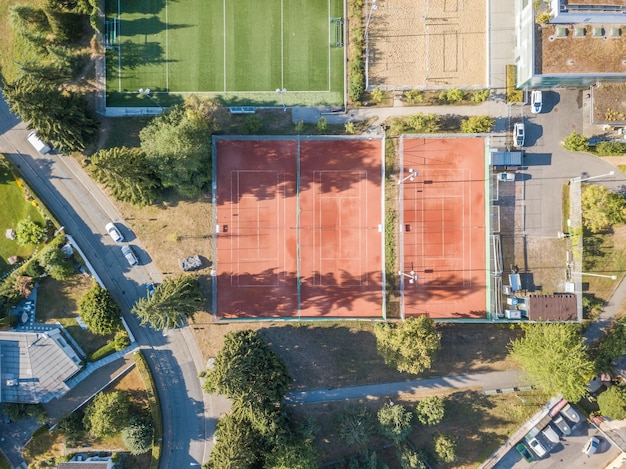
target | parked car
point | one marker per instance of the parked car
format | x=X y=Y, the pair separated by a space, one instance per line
x=506 y=176
x=537 y=447
x=114 y=232
x=518 y=134
x=560 y=423
x=570 y=413
x=551 y=435
x=38 y=144
x=521 y=449
x=591 y=446
x=536 y=101
x=129 y=255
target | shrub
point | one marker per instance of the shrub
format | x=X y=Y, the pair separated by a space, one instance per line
x=610 y=148
x=29 y=232
x=455 y=95
x=576 y=142
x=350 y=128
x=513 y=95
x=413 y=96
x=430 y=410
x=355 y=426
x=253 y=124
x=322 y=124
x=394 y=421
x=121 y=340
x=299 y=126
x=543 y=18
x=477 y=124
x=377 y=95
x=480 y=96
x=137 y=436
x=445 y=448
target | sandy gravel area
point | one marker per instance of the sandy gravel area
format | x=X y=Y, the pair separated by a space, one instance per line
x=427 y=44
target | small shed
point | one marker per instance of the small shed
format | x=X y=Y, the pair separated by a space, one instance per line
x=13 y=260
x=506 y=158
x=552 y=308
x=10 y=234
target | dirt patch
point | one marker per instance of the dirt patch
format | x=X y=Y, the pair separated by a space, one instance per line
x=423 y=44
x=609 y=104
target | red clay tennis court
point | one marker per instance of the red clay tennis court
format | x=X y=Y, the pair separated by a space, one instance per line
x=299 y=228
x=443 y=227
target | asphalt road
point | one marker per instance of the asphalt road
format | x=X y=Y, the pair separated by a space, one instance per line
x=83 y=210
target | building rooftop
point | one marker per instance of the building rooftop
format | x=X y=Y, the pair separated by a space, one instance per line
x=35 y=366
x=581 y=49
x=552 y=308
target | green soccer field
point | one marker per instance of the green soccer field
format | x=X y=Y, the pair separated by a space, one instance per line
x=241 y=50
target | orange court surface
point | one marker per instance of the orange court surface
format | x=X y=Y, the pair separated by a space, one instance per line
x=443 y=232
x=298 y=227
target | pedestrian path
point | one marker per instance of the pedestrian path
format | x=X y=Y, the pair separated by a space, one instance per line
x=94 y=366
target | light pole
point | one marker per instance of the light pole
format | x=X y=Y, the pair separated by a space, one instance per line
x=581 y=179
x=281 y=92
x=373 y=7
x=410 y=177
x=612 y=277
x=146 y=92
x=412 y=276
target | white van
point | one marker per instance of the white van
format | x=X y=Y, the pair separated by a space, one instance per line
x=38 y=144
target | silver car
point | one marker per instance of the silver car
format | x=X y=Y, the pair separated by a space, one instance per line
x=129 y=255
x=560 y=423
x=570 y=413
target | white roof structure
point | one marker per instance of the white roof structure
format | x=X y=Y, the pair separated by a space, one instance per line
x=34 y=366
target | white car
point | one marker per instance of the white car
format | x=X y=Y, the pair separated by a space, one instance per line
x=518 y=134
x=536 y=101
x=570 y=413
x=537 y=447
x=114 y=232
x=551 y=435
x=562 y=425
x=130 y=255
x=506 y=176
x=591 y=446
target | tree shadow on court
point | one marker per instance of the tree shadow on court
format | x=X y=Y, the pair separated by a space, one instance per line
x=152 y=7
x=327 y=165
x=136 y=55
x=147 y=26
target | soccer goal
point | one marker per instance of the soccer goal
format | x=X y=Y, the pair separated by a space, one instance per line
x=337 y=28
x=111 y=33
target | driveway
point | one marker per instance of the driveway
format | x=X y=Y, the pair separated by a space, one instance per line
x=175 y=360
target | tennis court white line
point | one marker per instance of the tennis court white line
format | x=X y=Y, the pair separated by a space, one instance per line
x=282 y=47
x=119 y=48
x=329 y=33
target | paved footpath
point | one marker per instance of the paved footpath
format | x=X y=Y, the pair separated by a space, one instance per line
x=487 y=381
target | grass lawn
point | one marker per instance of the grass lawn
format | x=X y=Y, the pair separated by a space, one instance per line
x=13 y=208
x=4 y=463
x=58 y=301
x=604 y=254
x=234 y=49
x=480 y=423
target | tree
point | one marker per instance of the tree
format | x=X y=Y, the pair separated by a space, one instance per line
x=601 y=208
x=127 y=173
x=29 y=232
x=248 y=371
x=99 y=311
x=24 y=285
x=236 y=445
x=293 y=455
x=394 y=421
x=555 y=358
x=121 y=340
x=60 y=117
x=445 y=448
x=108 y=414
x=612 y=402
x=137 y=436
x=377 y=95
x=174 y=300
x=410 y=459
x=477 y=124
x=408 y=346
x=355 y=425
x=576 y=142
x=52 y=260
x=430 y=410
x=71 y=426
x=178 y=146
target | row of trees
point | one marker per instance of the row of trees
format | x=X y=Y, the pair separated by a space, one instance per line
x=175 y=154
x=433 y=123
x=50 y=57
x=257 y=432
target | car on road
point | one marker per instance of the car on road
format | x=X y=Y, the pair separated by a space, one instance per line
x=537 y=447
x=536 y=101
x=591 y=446
x=38 y=144
x=506 y=176
x=570 y=413
x=518 y=134
x=114 y=232
x=560 y=423
x=521 y=449
x=130 y=255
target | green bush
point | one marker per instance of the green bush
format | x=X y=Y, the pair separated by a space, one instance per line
x=576 y=142
x=480 y=96
x=299 y=126
x=377 y=95
x=610 y=148
x=121 y=340
x=477 y=124
x=253 y=124
x=322 y=124
x=455 y=95
x=513 y=95
x=350 y=128
x=413 y=97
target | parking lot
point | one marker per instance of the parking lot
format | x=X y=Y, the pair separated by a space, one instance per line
x=568 y=452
